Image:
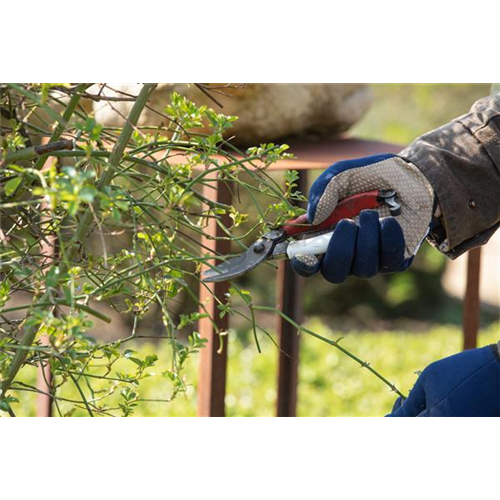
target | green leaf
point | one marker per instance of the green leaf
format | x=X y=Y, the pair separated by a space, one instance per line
x=189 y=319
x=52 y=277
x=11 y=186
x=116 y=214
x=87 y=194
x=70 y=171
x=6 y=402
x=137 y=361
x=150 y=360
x=4 y=292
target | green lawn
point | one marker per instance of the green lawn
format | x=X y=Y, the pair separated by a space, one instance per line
x=152 y=454
x=330 y=383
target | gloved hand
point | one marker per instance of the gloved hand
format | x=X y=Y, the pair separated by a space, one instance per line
x=464 y=385
x=374 y=243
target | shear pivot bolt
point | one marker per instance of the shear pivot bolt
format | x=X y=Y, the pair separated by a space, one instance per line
x=259 y=248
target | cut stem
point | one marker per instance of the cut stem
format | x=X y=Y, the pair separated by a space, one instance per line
x=334 y=343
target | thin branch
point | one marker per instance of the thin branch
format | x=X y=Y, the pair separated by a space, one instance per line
x=334 y=343
x=204 y=88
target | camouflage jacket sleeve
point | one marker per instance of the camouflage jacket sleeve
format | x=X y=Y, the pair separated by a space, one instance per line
x=462 y=162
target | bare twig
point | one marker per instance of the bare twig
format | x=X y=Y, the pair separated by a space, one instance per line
x=205 y=89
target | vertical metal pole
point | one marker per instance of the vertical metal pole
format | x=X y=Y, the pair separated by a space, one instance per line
x=289 y=295
x=213 y=358
x=471 y=307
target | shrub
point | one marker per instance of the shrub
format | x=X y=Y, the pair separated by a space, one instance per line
x=93 y=214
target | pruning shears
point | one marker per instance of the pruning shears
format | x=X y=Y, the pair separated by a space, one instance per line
x=276 y=244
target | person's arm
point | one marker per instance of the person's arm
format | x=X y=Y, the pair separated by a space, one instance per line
x=462 y=162
x=448 y=185
x=466 y=384
x=443 y=440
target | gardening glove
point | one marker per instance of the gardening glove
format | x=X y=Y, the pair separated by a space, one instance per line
x=374 y=242
x=464 y=385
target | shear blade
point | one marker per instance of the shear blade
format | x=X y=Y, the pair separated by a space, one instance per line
x=241 y=264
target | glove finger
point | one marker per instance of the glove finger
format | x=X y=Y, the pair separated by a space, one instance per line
x=413 y=405
x=323 y=194
x=392 y=247
x=306 y=265
x=326 y=190
x=337 y=262
x=366 y=258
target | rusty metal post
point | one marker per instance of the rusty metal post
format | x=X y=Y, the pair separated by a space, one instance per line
x=289 y=295
x=471 y=305
x=213 y=358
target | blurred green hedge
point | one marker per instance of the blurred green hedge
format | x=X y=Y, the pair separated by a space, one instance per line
x=330 y=384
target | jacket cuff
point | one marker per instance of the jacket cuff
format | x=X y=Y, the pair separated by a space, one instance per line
x=461 y=160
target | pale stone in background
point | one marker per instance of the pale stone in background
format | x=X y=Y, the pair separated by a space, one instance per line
x=266 y=112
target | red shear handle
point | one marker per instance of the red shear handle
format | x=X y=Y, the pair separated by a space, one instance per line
x=347 y=209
